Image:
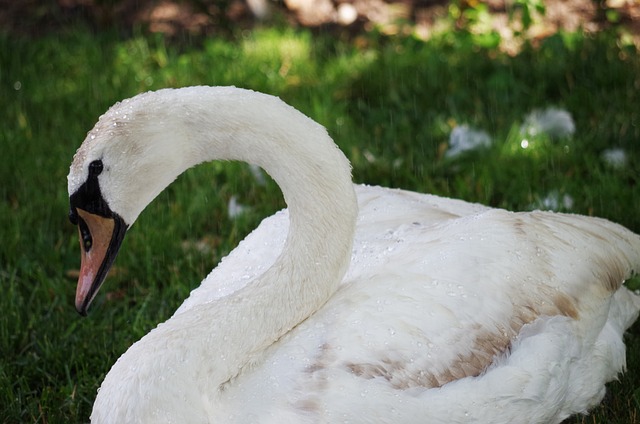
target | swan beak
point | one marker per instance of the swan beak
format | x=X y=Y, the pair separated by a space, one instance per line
x=100 y=240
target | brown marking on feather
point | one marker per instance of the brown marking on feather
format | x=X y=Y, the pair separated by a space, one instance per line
x=613 y=280
x=308 y=405
x=565 y=305
x=614 y=272
x=317 y=380
x=488 y=344
x=495 y=340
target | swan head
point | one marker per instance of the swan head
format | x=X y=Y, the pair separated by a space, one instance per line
x=140 y=145
x=132 y=153
x=101 y=232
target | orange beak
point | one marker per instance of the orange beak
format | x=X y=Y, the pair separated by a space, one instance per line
x=100 y=240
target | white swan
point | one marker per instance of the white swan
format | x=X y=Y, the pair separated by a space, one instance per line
x=357 y=304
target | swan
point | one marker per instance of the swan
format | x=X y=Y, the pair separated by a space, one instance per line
x=356 y=304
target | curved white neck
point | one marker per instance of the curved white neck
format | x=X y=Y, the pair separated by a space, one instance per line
x=314 y=176
x=315 y=179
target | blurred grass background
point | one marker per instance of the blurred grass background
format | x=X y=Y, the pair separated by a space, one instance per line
x=390 y=99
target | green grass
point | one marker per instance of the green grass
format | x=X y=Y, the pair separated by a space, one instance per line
x=390 y=104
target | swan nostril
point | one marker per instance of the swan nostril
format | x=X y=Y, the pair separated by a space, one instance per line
x=87 y=243
x=85 y=235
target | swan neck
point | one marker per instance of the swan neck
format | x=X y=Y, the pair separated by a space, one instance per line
x=206 y=345
x=315 y=179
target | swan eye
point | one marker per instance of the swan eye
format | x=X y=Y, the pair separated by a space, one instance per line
x=95 y=168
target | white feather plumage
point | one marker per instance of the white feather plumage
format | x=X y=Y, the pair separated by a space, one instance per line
x=447 y=311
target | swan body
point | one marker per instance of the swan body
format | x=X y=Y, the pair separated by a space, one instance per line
x=355 y=304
